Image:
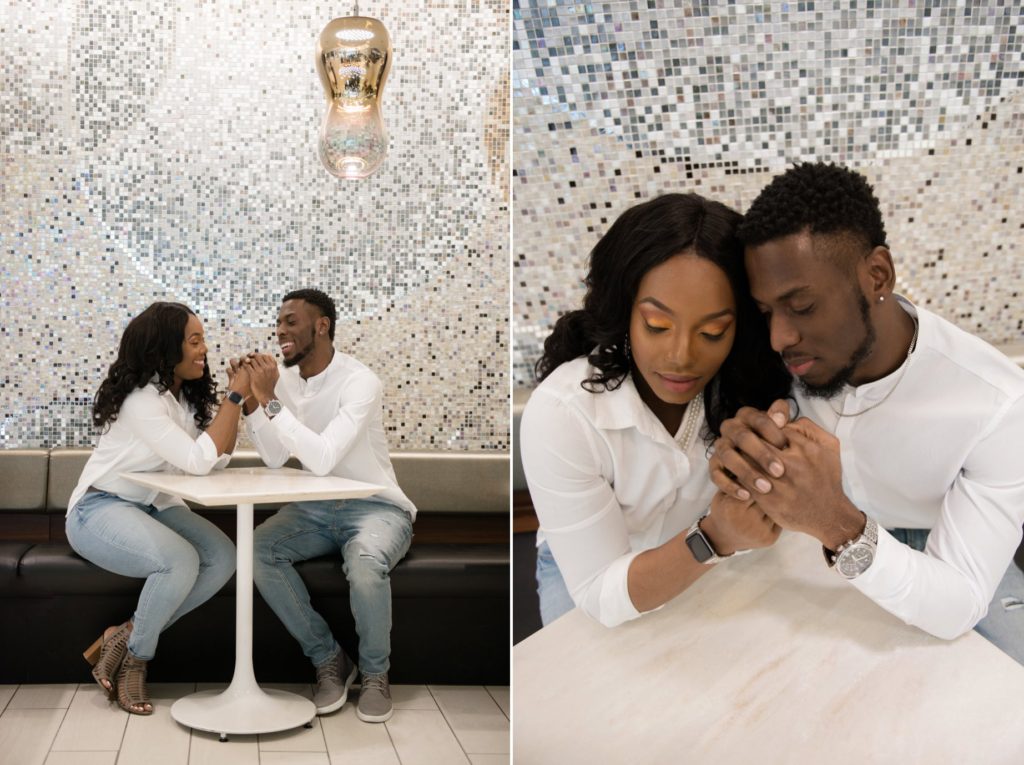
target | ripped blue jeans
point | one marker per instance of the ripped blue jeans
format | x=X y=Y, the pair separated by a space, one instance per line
x=372 y=536
x=1003 y=625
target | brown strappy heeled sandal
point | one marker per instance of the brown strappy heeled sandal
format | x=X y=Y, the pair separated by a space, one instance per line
x=106 y=654
x=132 y=695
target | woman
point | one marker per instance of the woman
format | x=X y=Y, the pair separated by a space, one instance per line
x=157 y=410
x=634 y=388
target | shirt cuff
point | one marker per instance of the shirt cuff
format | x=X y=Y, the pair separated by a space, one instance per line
x=208 y=452
x=257 y=420
x=892 y=559
x=284 y=423
x=614 y=604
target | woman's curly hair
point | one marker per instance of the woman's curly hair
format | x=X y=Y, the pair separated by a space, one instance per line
x=151 y=346
x=640 y=239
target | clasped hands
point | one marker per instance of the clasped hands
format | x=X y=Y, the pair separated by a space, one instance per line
x=775 y=474
x=253 y=375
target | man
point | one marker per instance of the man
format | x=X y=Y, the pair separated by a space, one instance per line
x=325 y=408
x=913 y=429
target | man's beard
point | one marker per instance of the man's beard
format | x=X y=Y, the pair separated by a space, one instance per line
x=300 y=355
x=831 y=387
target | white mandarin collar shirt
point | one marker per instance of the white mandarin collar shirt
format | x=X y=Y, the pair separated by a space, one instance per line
x=153 y=431
x=333 y=424
x=607 y=482
x=938 y=444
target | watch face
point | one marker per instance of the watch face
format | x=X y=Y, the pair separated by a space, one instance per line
x=273 y=407
x=855 y=560
x=699 y=547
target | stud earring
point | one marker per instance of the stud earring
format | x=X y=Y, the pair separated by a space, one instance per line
x=881 y=298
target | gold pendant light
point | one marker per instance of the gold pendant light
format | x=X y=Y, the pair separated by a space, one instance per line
x=353 y=56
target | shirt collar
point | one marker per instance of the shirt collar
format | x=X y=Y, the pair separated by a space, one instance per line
x=166 y=394
x=873 y=392
x=312 y=385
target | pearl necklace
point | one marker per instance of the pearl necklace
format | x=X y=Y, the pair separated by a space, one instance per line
x=691 y=420
x=902 y=370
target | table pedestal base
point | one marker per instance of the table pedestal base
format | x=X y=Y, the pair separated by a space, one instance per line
x=253 y=710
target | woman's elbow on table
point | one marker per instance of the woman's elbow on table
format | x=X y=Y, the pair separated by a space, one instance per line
x=606 y=616
x=201 y=467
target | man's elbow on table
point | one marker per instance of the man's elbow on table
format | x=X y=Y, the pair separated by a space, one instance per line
x=321 y=469
x=944 y=626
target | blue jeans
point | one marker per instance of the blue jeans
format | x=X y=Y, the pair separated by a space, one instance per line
x=184 y=558
x=1002 y=627
x=555 y=599
x=372 y=536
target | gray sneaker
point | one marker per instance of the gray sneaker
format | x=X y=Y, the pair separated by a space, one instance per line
x=333 y=679
x=374 y=699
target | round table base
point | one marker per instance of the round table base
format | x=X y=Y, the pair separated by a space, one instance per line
x=255 y=710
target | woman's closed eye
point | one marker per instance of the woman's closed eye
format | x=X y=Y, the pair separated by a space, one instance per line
x=713 y=337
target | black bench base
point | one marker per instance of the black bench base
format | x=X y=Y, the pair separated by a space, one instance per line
x=450 y=614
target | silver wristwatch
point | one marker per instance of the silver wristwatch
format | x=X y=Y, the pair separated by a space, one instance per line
x=855 y=557
x=273 y=408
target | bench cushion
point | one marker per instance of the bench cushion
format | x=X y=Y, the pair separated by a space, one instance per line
x=449 y=482
x=23 y=478
x=454 y=482
x=66 y=467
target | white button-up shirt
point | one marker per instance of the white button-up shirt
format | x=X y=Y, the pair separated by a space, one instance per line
x=153 y=431
x=938 y=444
x=607 y=482
x=333 y=423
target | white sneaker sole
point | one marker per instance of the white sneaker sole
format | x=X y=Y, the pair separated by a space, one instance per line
x=344 y=695
x=374 y=718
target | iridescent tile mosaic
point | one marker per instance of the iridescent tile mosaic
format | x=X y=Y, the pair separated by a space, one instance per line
x=168 y=150
x=619 y=101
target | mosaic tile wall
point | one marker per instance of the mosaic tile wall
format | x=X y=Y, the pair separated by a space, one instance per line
x=167 y=150
x=616 y=102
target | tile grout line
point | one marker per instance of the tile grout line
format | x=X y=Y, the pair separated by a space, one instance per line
x=8 y=703
x=449 y=724
x=49 y=749
x=391 y=739
x=497 y=704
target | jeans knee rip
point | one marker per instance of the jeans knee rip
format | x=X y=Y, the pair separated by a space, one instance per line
x=1011 y=604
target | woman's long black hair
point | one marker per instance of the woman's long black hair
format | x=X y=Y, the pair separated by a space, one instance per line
x=641 y=238
x=151 y=345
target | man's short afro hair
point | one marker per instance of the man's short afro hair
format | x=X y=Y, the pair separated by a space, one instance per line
x=823 y=198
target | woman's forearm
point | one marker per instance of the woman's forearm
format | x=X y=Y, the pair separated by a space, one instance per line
x=659 y=574
x=224 y=428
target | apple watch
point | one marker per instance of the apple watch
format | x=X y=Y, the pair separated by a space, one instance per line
x=273 y=408
x=235 y=397
x=853 y=558
x=701 y=547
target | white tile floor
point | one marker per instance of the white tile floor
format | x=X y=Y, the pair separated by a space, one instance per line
x=76 y=725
